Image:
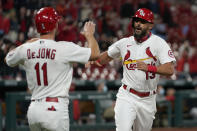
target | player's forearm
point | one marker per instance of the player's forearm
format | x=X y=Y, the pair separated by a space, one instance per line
x=92 y=43
x=104 y=58
x=166 y=69
x=88 y=32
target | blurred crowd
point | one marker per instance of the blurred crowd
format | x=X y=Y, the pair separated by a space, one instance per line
x=175 y=21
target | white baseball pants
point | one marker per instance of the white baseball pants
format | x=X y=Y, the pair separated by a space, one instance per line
x=48 y=116
x=133 y=113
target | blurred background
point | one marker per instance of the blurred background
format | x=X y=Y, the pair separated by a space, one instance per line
x=93 y=89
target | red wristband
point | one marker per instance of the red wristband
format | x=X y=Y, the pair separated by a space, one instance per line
x=101 y=65
x=152 y=68
x=98 y=61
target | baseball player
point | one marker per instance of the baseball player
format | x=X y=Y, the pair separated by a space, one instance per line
x=48 y=66
x=145 y=57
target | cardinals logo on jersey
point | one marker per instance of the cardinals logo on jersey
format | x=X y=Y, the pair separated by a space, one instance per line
x=149 y=53
x=127 y=55
x=131 y=66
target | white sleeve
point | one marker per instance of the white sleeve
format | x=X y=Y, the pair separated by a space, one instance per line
x=164 y=52
x=75 y=53
x=15 y=56
x=114 y=50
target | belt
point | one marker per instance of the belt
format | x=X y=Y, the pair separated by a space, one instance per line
x=48 y=99
x=140 y=94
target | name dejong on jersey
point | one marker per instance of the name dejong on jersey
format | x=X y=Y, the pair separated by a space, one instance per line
x=43 y=53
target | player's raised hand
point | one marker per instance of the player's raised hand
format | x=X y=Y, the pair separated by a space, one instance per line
x=141 y=66
x=88 y=29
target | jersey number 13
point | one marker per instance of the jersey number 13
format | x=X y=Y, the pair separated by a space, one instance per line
x=44 y=70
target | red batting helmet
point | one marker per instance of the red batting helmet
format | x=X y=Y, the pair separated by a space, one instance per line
x=144 y=14
x=46 y=19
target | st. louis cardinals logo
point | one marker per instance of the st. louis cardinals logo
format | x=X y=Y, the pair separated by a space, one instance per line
x=149 y=53
x=142 y=13
x=131 y=66
x=170 y=53
x=43 y=27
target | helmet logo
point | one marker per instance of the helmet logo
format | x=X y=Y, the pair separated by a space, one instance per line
x=142 y=13
x=43 y=27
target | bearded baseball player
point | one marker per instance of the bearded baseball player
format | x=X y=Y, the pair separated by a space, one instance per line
x=145 y=57
x=48 y=66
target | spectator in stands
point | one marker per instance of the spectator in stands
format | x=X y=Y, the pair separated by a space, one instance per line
x=76 y=108
x=22 y=19
x=13 y=20
x=61 y=7
x=126 y=11
x=8 y=4
x=6 y=72
x=192 y=105
x=154 y=6
x=160 y=94
x=4 y=24
x=85 y=9
x=182 y=63
x=193 y=64
x=193 y=112
x=170 y=95
x=67 y=30
x=167 y=14
x=160 y=27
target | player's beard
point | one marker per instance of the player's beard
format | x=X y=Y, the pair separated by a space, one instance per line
x=139 y=36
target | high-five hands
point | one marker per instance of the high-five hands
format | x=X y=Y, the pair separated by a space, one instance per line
x=93 y=63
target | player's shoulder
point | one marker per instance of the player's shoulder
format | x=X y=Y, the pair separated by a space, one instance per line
x=65 y=43
x=66 y=46
x=159 y=42
x=126 y=39
x=30 y=42
x=158 y=39
x=123 y=41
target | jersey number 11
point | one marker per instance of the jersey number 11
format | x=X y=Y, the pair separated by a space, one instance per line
x=44 y=70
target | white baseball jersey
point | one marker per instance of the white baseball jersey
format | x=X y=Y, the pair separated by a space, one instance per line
x=130 y=51
x=48 y=65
